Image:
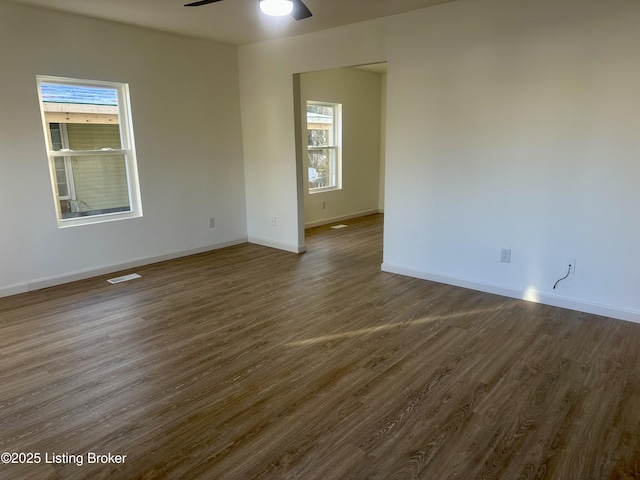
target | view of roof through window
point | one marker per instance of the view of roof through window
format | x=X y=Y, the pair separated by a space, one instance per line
x=56 y=93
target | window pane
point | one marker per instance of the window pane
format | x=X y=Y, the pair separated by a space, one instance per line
x=78 y=94
x=322 y=164
x=93 y=136
x=56 y=136
x=101 y=185
x=61 y=177
x=320 y=125
x=89 y=116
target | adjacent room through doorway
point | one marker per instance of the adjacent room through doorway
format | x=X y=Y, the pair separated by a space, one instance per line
x=341 y=135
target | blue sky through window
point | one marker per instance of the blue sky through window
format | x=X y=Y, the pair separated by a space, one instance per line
x=55 y=93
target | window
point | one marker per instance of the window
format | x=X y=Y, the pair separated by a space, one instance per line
x=324 y=137
x=89 y=139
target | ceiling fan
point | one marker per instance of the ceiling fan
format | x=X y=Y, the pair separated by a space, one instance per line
x=296 y=8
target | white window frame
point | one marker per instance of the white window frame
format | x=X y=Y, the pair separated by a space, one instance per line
x=127 y=150
x=68 y=171
x=336 y=147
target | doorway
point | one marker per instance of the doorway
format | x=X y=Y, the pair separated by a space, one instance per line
x=358 y=94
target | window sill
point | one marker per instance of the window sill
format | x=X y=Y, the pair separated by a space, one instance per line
x=93 y=219
x=323 y=189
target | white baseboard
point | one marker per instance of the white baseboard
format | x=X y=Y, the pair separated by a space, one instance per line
x=619 y=313
x=14 y=289
x=341 y=218
x=106 y=269
x=287 y=247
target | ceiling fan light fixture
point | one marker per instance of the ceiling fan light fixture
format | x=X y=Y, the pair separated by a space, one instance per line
x=276 y=8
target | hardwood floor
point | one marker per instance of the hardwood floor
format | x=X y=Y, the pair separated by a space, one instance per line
x=252 y=363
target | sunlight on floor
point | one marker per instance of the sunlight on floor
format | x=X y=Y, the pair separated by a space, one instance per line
x=390 y=326
x=531 y=295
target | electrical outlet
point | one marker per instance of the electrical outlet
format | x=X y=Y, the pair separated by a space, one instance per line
x=212 y=222
x=273 y=220
x=324 y=205
x=505 y=255
x=570 y=265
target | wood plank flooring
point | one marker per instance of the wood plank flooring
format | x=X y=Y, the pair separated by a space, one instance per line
x=252 y=363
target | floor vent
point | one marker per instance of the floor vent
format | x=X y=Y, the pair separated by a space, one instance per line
x=124 y=278
x=336 y=227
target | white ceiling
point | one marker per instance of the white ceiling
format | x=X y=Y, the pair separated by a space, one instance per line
x=232 y=21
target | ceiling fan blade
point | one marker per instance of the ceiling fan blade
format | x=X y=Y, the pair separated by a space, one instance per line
x=201 y=2
x=300 y=10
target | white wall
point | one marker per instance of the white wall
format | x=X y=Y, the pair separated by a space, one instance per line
x=509 y=124
x=517 y=126
x=383 y=141
x=359 y=92
x=186 y=117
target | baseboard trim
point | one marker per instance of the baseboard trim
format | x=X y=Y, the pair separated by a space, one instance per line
x=106 y=269
x=341 y=218
x=14 y=289
x=278 y=245
x=619 y=313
